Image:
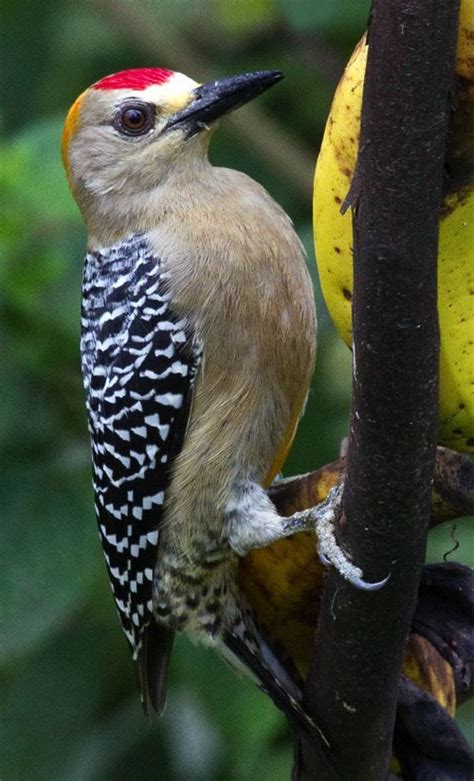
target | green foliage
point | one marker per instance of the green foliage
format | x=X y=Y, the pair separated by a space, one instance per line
x=70 y=710
x=335 y=21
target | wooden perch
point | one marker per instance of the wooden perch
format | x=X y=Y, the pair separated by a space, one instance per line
x=353 y=684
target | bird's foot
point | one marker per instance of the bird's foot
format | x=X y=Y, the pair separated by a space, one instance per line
x=330 y=553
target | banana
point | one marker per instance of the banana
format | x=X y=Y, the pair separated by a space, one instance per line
x=333 y=231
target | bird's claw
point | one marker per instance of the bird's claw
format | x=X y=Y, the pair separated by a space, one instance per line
x=329 y=551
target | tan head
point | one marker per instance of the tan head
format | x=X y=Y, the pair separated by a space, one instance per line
x=129 y=133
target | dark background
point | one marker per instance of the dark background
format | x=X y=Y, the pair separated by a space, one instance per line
x=69 y=706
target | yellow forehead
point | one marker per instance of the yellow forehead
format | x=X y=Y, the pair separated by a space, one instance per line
x=70 y=127
x=171 y=96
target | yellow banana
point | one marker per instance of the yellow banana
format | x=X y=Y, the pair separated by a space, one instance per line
x=333 y=231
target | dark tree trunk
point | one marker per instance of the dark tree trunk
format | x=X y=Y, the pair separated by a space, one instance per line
x=395 y=198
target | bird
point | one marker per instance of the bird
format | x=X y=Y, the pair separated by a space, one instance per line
x=198 y=338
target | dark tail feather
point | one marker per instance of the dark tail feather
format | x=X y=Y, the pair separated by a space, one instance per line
x=276 y=690
x=153 y=665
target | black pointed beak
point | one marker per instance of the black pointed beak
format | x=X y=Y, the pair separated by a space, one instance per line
x=216 y=98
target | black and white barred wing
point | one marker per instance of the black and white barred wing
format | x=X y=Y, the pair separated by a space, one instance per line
x=139 y=363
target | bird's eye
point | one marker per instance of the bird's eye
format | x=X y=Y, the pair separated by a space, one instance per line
x=135 y=119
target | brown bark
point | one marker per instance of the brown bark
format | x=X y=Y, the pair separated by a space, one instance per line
x=396 y=196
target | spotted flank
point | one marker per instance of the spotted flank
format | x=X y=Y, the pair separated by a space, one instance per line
x=139 y=362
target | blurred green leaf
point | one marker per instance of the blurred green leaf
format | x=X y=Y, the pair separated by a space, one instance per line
x=326 y=16
x=54 y=700
x=35 y=173
x=452 y=541
x=49 y=554
x=245 y=15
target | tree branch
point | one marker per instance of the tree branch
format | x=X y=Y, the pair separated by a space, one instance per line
x=452 y=495
x=396 y=195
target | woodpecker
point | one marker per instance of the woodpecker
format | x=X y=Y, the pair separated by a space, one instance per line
x=197 y=348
